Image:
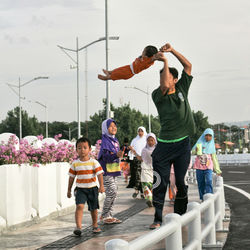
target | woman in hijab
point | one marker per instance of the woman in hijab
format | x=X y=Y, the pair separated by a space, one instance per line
x=147 y=168
x=109 y=159
x=136 y=146
x=205 y=162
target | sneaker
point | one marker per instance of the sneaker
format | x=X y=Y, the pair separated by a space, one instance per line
x=77 y=231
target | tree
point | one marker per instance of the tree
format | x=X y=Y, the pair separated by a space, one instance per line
x=128 y=121
x=201 y=123
x=30 y=125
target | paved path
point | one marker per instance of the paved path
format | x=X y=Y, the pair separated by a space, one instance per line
x=56 y=233
x=239 y=229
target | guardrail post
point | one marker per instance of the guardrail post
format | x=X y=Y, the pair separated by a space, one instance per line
x=218 y=204
x=194 y=227
x=174 y=241
x=220 y=183
x=117 y=244
x=209 y=220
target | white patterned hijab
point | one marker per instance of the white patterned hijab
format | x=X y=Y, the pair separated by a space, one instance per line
x=138 y=143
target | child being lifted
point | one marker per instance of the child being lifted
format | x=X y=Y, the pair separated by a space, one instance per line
x=149 y=55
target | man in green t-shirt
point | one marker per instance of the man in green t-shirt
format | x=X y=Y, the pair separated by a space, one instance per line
x=177 y=124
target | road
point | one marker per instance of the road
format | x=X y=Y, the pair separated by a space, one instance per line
x=239 y=230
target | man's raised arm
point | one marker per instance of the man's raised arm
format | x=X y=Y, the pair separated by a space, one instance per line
x=183 y=60
x=165 y=74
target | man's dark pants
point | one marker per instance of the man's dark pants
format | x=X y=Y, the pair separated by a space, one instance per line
x=164 y=155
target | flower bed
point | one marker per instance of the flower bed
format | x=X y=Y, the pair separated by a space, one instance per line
x=61 y=152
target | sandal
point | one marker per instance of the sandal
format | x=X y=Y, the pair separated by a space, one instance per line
x=154 y=226
x=117 y=221
x=149 y=203
x=111 y=220
x=96 y=230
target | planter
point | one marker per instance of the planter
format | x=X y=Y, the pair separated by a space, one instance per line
x=44 y=192
x=15 y=193
x=62 y=179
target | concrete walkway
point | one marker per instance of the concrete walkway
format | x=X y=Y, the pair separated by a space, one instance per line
x=57 y=232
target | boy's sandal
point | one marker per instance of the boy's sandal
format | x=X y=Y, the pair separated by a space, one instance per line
x=116 y=221
x=111 y=220
x=96 y=230
x=154 y=226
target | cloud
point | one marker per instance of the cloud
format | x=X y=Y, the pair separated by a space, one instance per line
x=24 y=40
x=4 y=24
x=8 y=38
x=17 y=4
x=40 y=21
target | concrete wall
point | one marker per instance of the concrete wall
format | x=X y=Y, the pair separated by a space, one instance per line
x=15 y=193
x=27 y=191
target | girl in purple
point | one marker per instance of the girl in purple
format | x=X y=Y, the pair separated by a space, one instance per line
x=109 y=159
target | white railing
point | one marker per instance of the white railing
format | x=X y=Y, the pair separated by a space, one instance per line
x=234 y=159
x=200 y=231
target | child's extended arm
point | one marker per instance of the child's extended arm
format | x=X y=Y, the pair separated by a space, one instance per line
x=70 y=184
x=185 y=63
x=134 y=152
x=216 y=164
x=100 y=179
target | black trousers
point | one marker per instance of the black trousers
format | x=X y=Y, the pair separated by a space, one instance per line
x=135 y=175
x=164 y=155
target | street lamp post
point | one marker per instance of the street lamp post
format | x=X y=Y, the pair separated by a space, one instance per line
x=46 y=117
x=86 y=68
x=70 y=131
x=107 y=65
x=19 y=94
x=147 y=93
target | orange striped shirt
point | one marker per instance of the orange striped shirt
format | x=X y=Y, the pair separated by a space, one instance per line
x=86 y=172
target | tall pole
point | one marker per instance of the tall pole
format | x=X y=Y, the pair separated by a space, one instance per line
x=77 y=66
x=86 y=91
x=47 y=128
x=19 y=96
x=78 y=89
x=149 y=118
x=107 y=81
x=20 y=109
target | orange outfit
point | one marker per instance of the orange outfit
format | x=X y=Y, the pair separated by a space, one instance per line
x=126 y=72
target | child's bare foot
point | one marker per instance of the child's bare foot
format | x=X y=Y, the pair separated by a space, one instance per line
x=102 y=77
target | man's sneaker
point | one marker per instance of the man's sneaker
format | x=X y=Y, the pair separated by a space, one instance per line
x=77 y=231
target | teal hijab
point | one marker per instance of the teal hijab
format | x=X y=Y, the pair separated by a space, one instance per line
x=208 y=147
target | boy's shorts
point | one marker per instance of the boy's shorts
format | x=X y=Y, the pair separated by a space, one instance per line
x=88 y=194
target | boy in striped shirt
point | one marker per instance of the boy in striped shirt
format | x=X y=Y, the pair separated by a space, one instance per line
x=86 y=169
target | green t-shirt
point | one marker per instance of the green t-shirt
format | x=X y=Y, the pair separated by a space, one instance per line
x=175 y=115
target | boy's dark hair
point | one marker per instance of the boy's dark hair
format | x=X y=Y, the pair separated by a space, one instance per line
x=172 y=71
x=150 y=50
x=83 y=139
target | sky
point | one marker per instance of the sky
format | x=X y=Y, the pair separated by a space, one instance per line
x=213 y=35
